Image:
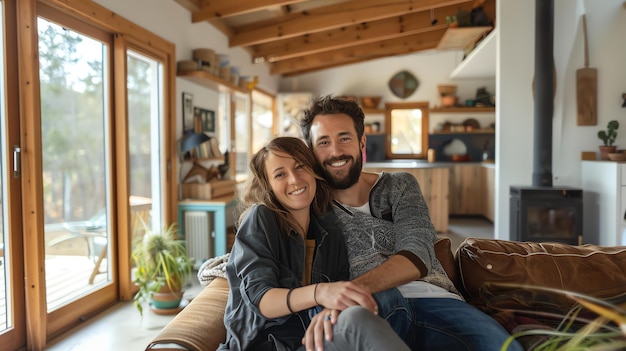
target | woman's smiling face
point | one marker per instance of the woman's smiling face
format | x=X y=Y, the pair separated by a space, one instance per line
x=293 y=183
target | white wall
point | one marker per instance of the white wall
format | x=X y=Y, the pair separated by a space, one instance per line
x=606 y=27
x=371 y=78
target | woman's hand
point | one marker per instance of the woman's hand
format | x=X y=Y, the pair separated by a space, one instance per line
x=321 y=328
x=341 y=295
x=335 y=297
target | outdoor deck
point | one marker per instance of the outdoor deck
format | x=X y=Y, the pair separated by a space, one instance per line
x=67 y=278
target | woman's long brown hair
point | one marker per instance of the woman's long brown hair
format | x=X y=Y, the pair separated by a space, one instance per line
x=259 y=191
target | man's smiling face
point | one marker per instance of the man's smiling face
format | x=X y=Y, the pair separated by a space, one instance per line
x=338 y=149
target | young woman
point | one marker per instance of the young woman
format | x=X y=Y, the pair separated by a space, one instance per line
x=274 y=288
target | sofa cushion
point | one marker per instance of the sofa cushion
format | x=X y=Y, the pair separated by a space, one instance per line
x=485 y=264
x=443 y=252
x=200 y=326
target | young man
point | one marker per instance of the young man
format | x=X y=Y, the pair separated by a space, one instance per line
x=391 y=240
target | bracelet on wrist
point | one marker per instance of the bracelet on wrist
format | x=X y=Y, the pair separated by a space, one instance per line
x=315 y=294
x=287 y=300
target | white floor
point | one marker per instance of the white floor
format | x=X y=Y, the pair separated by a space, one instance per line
x=122 y=329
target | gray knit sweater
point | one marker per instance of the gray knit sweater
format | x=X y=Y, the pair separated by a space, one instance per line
x=400 y=224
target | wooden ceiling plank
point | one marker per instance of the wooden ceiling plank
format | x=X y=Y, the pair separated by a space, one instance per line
x=333 y=16
x=190 y=5
x=398 y=46
x=220 y=9
x=358 y=34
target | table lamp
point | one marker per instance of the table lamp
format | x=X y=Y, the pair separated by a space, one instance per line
x=188 y=143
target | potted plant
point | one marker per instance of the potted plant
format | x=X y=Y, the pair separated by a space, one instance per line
x=608 y=138
x=162 y=269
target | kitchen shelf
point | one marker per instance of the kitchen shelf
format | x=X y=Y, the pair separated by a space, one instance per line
x=462 y=109
x=210 y=81
x=461 y=38
x=373 y=111
x=475 y=131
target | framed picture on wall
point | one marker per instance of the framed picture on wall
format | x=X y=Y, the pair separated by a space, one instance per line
x=205 y=120
x=188 y=113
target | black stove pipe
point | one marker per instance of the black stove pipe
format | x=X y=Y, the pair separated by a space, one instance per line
x=543 y=92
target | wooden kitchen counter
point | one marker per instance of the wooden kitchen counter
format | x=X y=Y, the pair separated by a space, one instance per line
x=433 y=179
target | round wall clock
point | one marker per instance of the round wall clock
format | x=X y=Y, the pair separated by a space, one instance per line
x=403 y=84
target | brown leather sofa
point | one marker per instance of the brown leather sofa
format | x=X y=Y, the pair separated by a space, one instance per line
x=491 y=274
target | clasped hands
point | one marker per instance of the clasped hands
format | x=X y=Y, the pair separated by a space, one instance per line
x=334 y=297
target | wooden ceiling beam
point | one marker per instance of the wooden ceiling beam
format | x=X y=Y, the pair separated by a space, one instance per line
x=358 y=34
x=360 y=53
x=330 y=17
x=228 y=8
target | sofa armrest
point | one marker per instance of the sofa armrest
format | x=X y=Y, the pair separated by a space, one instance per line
x=200 y=326
x=499 y=274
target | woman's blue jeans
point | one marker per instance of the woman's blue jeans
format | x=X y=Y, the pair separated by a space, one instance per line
x=441 y=323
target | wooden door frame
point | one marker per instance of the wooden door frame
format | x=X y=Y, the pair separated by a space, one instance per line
x=14 y=338
x=38 y=327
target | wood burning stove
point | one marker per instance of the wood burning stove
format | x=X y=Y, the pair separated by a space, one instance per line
x=546 y=214
x=543 y=212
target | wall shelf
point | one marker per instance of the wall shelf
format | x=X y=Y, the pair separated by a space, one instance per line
x=461 y=38
x=210 y=81
x=373 y=111
x=462 y=109
x=475 y=131
x=481 y=62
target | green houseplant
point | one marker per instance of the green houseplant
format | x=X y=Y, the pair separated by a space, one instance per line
x=576 y=332
x=162 y=268
x=608 y=138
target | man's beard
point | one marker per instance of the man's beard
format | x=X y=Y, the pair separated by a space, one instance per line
x=353 y=173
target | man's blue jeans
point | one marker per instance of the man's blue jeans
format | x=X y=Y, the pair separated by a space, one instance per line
x=441 y=324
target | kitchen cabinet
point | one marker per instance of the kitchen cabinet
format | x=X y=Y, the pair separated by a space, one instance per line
x=489 y=179
x=433 y=182
x=472 y=190
x=466 y=193
x=604 y=202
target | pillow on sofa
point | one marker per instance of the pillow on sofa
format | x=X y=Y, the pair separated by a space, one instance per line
x=589 y=269
x=443 y=252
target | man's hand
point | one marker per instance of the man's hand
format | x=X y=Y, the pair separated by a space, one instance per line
x=335 y=297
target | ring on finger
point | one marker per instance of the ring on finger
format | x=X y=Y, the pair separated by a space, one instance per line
x=327 y=317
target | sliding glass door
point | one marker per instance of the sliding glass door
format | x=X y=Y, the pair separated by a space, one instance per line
x=12 y=303
x=76 y=183
x=85 y=163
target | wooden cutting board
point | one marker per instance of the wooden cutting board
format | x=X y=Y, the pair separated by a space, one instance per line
x=587 y=89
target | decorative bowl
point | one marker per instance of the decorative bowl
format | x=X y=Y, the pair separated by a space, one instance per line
x=448 y=100
x=617 y=156
x=370 y=101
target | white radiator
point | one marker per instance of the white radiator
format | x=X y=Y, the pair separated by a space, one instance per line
x=199 y=236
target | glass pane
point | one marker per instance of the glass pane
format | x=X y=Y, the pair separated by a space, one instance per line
x=144 y=85
x=242 y=135
x=73 y=132
x=262 y=120
x=6 y=321
x=406 y=131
